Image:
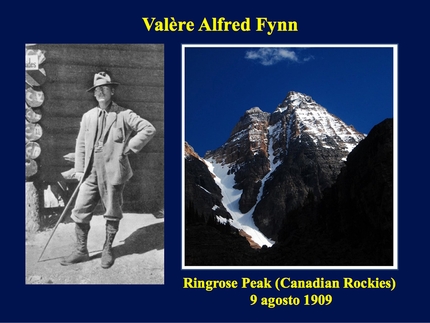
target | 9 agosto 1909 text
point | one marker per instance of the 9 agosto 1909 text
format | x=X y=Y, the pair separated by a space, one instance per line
x=281 y=284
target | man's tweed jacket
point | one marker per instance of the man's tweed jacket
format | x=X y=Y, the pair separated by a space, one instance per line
x=125 y=131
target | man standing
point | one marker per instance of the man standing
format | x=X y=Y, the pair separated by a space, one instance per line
x=108 y=133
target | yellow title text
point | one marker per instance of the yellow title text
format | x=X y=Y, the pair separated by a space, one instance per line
x=219 y=24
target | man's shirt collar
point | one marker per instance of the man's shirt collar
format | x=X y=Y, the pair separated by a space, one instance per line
x=108 y=108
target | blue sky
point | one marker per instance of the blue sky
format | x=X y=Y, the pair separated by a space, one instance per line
x=221 y=83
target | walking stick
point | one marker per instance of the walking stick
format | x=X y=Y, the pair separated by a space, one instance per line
x=62 y=215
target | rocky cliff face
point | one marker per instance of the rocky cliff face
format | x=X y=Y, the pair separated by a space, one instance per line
x=202 y=195
x=353 y=222
x=246 y=155
x=359 y=207
x=277 y=160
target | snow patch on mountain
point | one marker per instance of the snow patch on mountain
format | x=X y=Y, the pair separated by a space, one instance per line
x=321 y=125
x=230 y=201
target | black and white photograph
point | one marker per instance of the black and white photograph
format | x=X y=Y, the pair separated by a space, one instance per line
x=94 y=164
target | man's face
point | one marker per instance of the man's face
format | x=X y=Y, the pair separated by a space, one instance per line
x=103 y=93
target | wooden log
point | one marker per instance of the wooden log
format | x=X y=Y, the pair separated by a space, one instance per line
x=68 y=73
x=36 y=77
x=34 y=98
x=39 y=53
x=32 y=208
x=33 y=131
x=71 y=91
x=126 y=47
x=76 y=107
x=54 y=125
x=32 y=150
x=112 y=56
x=30 y=167
x=32 y=115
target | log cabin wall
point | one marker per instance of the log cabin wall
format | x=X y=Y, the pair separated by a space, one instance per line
x=70 y=68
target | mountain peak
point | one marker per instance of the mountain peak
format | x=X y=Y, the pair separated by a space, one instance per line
x=295 y=100
x=254 y=110
x=299 y=114
x=273 y=161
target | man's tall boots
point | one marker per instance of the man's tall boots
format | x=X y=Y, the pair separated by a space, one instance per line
x=80 y=254
x=107 y=253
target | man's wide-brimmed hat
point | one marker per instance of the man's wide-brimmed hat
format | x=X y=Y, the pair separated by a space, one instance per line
x=100 y=79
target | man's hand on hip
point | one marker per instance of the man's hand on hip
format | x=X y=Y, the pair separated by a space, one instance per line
x=79 y=175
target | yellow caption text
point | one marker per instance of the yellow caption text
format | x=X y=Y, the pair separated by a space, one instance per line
x=287 y=283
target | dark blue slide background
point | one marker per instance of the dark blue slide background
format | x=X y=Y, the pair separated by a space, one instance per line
x=120 y=22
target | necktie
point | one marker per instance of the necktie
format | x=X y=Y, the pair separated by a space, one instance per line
x=101 y=124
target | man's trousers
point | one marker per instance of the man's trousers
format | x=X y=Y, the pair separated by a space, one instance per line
x=96 y=187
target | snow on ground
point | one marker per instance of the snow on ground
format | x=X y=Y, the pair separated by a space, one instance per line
x=231 y=198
